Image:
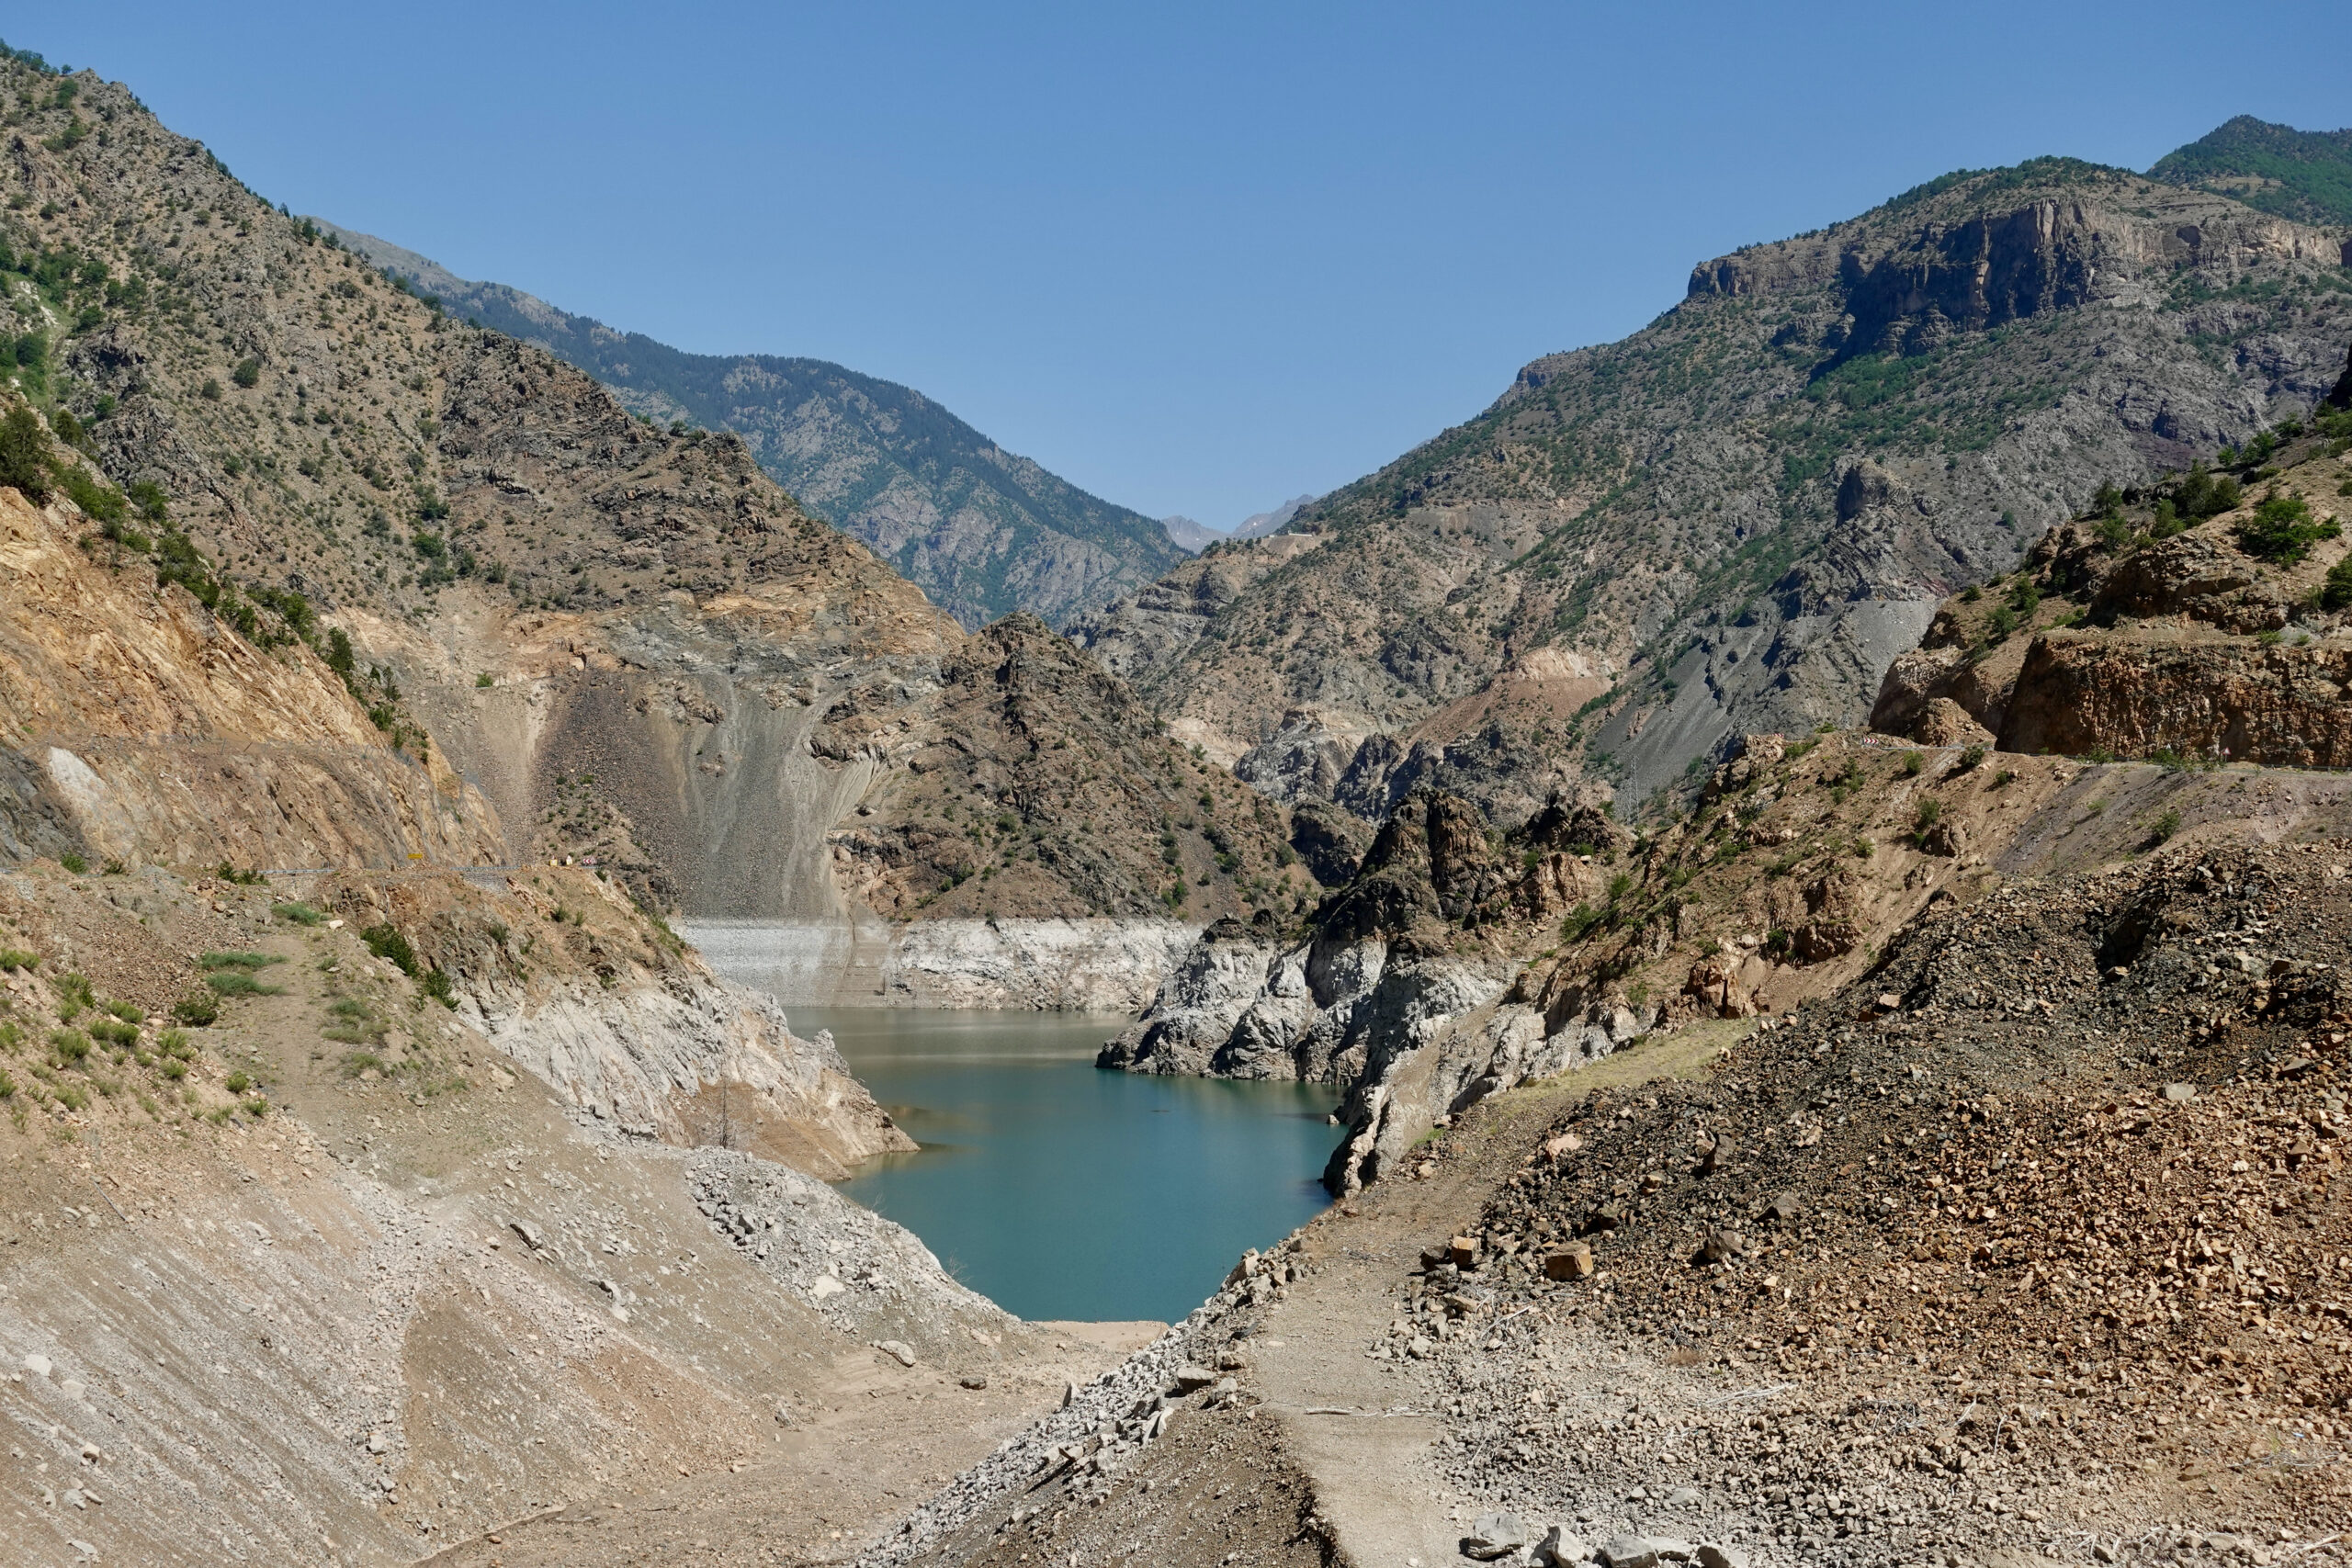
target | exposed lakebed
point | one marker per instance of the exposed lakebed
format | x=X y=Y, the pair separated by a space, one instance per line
x=1064 y=1191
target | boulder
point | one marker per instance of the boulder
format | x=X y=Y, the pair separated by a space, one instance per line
x=1569 y=1263
x=1497 y=1534
x=1561 y=1550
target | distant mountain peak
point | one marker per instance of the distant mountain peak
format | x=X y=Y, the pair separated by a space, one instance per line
x=1190 y=535
x=983 y=531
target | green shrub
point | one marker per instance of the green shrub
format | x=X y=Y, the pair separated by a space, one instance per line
x=71 y=1046
x=2163 y=827
x=299 y=914
x=1970 y=758
x=436 y=984
x=115 y=1032
x=197 y=1011
x=247 y=961
x=24 y=451
x=385 y=941
x=2282 y=529
x=73 y=862
x=98 y=501
x=126 y=1011
x=148 y=497
x=15 y=958
x=1580 y=921
x=2203 y=494
x=256 y=1107
x=74 y=996
x=247 y=373
x=237 y=1083
x=2337 y=591
x=483 y=682
x=1912 y=763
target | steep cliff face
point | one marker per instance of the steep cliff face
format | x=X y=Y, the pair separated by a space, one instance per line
x=1643 y=549
x=2152 y=631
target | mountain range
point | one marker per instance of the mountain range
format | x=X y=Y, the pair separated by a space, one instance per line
x=983 y=531
x=1733 y=520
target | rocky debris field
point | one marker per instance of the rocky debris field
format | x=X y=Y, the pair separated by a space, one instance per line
x=865 y=1275
x=1028 y=1490
x=2032 y=1240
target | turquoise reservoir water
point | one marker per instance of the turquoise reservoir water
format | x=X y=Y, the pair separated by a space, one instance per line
x=1061 y=1192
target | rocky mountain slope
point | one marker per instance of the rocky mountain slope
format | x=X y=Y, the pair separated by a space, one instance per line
x=2302 y=174
x=1735 y=519
x=983 y=532
x=613 y=639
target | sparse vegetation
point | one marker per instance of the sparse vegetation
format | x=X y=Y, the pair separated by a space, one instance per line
x=2282 y=529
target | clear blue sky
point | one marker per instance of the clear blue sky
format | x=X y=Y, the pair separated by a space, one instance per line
x=1195 y=257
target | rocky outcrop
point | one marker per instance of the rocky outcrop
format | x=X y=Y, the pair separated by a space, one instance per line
x=2080 y=693
x=1380 y=1000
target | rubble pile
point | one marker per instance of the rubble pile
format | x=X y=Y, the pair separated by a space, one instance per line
x=2039 y=1221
